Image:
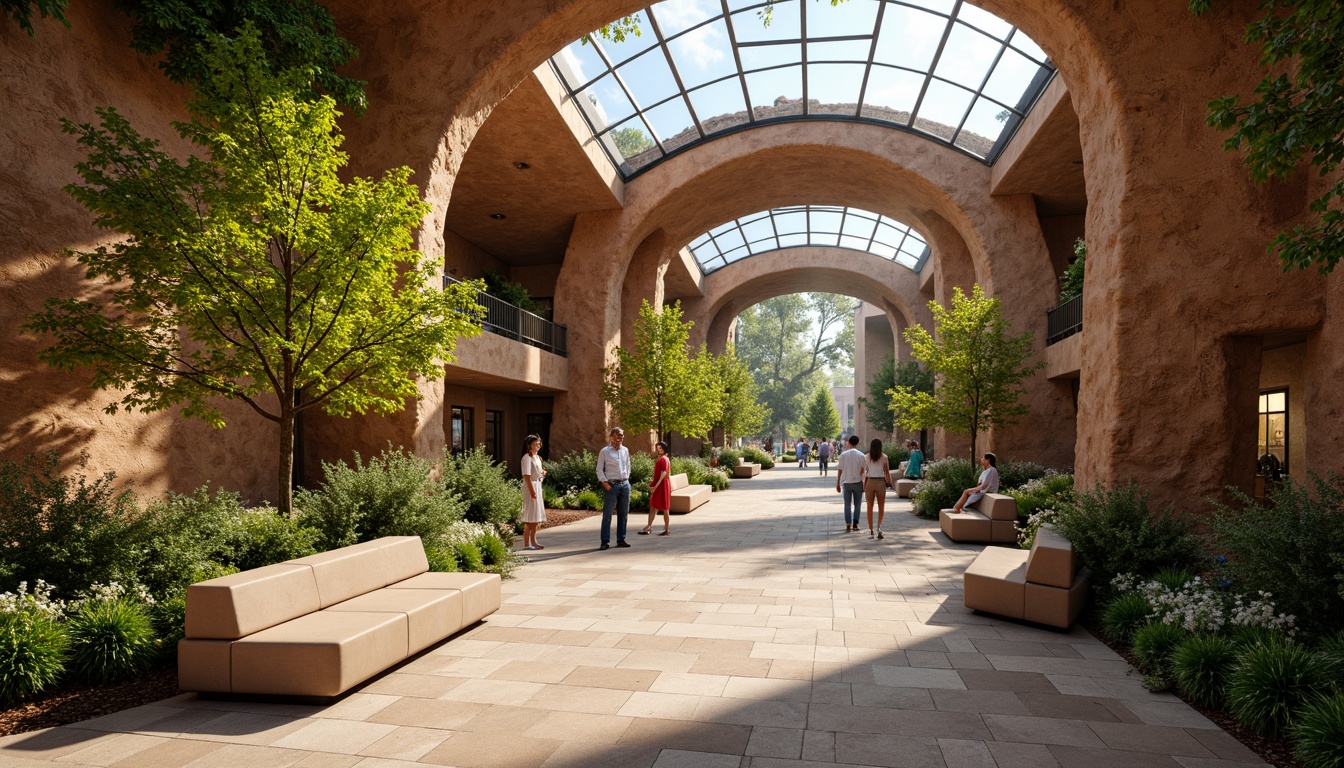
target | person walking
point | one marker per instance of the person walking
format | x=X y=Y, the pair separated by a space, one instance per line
x=534 y=502
x=849 y=481
x=824 y=455
x=876 y=481
x=801 y=453
x=613 y=469
x=660 y=490
x=915 y=469
x=988 y=483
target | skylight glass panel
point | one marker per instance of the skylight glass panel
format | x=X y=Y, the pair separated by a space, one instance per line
x=808 y=225
x=910 y=64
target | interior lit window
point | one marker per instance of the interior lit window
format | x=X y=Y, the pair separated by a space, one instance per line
x=1272 y=452
x=942 y=68
x=799 y=225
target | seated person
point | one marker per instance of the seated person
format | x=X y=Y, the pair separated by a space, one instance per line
x=989 y=483
x=915 y=467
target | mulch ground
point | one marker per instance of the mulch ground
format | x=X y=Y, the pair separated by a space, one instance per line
x=556 y=517
x=1275 y=751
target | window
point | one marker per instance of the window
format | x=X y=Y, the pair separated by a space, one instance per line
x=539 y=424
x=463 y=429
x=1272 y=450
x=494 y=434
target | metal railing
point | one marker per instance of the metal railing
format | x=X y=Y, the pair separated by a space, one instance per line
x=514 y=322
x=1064 y=321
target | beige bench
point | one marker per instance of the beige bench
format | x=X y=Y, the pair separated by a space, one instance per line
x=1044 y=586
x=994 y=520
x=318 y=625
x=904 y=487
x=746 y=469
x=685 y=496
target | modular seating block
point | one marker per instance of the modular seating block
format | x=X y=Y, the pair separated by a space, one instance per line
x=318 y=625
x=1044 y=586
x=995 y=520
x=904 y=487
x=746 y=469
x=686 y=497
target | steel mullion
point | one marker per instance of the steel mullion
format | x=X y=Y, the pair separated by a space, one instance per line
x=872 y=54
x=737 y=59
x=980 y=92
x=802 y=31
x=676 y=73
x=937 y=57
x=775 y=228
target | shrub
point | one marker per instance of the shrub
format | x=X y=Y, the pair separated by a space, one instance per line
x=441 y=559
x=110 y=640
x=468 y=555
x=1201 y=666
x=32 y=653
x=1174 y=578
x=728 y=459
x=1318 y=733
x=896 y=454
x=698 y=472
x=1154 y=644
x=495 y=554
x=641 y=469
x=390 y=496
x=1290 y=547
x=576 y=470
x=639 y=499
x=1272 y=680
x=551 y=498
x=591 y=500
x=67 y=530
x=757 y=456
x=1051 y=491
x=1112 y=532
x=490 y=494
x=1015 y=474
x=789 y=457
x=1124 y=615
x=943 y=483
x=169 y=617
x=1333 y=646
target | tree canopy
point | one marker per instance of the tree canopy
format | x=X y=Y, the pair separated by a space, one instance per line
x=1297 y=113
x=253 y=272
x=655 y=383
x=978 y=369
x=740 y=411
x=821 y=421
x=881 y=414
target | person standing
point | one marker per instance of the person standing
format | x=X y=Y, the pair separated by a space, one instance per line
x=660 y=490
x=876 y=481
x=613 y=469
x=849 y=481
x=824 y=455
x=534 y=502
x=915 y=469
x=801 y=452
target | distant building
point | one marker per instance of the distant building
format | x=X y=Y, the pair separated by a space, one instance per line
x=844 y=405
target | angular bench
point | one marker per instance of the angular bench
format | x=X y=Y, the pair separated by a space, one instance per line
x=995 y=521
x=319 y=625
x=1044 y=586
x=746 y=469
x=904 y=487
x=686 y=497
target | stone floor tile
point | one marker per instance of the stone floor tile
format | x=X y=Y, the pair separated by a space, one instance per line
x=1210 y=762
x=1150 y=738
x=1082 y=667
x=501 y=719
x=111 y=750
x=662 y=661
x=1173 y=713
x=775 y=714
x=510 y=692
x=912 y=677
x=1012 y=755
x=1042 y=730
x=672 y=706
x=995 y=680
x=721 y=664
x=980 y=702
x=246 y=728
x=673 y=758
x=1082 y=757
x=238 y=755
x=1224 y=746
x=819 y=746
x=579 y=726
x=168 y=753
x=888 y=750
x=407 y=743
x=130 y=719
x=328 y=760
x=340 y=736
x=776 y=742
x=658 y=733
x=891 y=697
x=604 y=677
x=491 y=750
x=964 y=753
x=761 y=688
x=1065 y=707
x=363 y=705
x=573 y=698
x=419 y=686
x=427 y=713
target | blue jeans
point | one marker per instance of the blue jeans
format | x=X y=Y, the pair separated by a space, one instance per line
x=853 y=498
x=618 y=498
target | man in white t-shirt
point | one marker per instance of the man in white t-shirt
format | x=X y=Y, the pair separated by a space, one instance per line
x=849 y=481
x=989 y=483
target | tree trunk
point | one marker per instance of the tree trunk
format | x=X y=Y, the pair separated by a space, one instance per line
x=973 y=435
x=286 y=476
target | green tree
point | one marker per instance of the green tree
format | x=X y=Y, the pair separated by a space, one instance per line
x=656 y=384
x=888 y=376
x=821 y=420
x=631 y=141
x=253 y=273
x=786 y=341
x=22 y=11
x=1071 y=282
x=978 y=369
x=1297 y=113
x=740 y=412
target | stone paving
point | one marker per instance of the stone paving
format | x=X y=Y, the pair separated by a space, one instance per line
x=758 y=635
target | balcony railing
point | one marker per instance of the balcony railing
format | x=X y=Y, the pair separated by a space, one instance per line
x=1064 y=321
x=516 y=323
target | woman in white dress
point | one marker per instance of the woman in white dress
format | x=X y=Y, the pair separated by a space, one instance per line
x=534 y=505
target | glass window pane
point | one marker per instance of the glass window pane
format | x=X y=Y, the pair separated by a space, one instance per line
x=1278 y=401
x=857 y=243
x=909 y=38
x=967 y=57
x=776 y=92
x=825 y=220
x=858 y=225
x=1012 y=75
x=720 y=106
x=634 y=143
x=791 y=222
x=672 y=123
x=579 y=64
x=941 y=6
x=758 y=229
x=1264 y=403
x=1028 y=46
x=855 y=17
x=606 y=103
x=784 y=23
x=833 y=89
x=676 y=16
x=649 y=78
x=736 y=254
x=891 y=94
x=906 y=261
x=703 y=54
x=839 y=50
x=793 y=241
x=942 y=110
x=984 y=20
x=730 y=240
x=765 y=56
x=632 y=46
x=885 y=251
x=983 y=127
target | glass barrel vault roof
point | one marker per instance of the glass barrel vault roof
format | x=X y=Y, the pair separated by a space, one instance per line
x=800 y=225
x=944 y=69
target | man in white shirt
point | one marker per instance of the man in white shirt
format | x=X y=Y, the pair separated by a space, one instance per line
x=613 y=469
x=849 y=480
x=989 y=483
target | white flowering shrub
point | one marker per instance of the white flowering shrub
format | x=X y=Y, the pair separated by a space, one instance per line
x=1197 y=607
x=110 y=593
x=40 y=600
x=1026 y=532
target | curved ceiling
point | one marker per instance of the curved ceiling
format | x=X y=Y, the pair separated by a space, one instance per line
x=944 y=69
x=801 y=225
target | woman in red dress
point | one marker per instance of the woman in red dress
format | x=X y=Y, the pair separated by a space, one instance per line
x=660 y=490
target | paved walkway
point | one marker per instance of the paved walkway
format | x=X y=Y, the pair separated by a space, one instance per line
x=757 y=635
